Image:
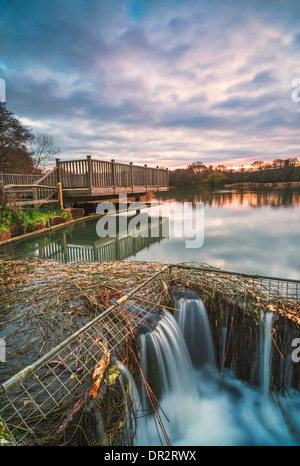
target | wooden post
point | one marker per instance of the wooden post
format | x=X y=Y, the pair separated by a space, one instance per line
x=35 y=198
x=146 y=177
x=58 y=170
x=64 y=245
x=113 y=174
x=131 y=175
x=157 y=177
x=90 y=173
x=60 y=195
x=167 y=177
x=2 y=194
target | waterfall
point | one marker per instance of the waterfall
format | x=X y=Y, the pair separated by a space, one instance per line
x=194 y=324
x=265 y=350
x=168 y=370
x=197 y=406
x=165 y=359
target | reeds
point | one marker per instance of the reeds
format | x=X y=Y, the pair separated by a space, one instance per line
x=42 y=304
x=45 y=302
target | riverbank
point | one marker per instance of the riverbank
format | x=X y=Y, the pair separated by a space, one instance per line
x=263 y=185
x=39 y=232
x=15 y=222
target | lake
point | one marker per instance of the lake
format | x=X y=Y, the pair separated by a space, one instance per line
x=245 y=230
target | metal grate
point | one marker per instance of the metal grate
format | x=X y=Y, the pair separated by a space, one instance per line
x=274 y=292
x=50 y=385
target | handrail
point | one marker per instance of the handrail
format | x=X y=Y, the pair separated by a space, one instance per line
x=47 y=175
x=33 y=185
x=94 y=173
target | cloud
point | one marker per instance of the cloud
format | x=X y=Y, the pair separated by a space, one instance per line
x=155 y=81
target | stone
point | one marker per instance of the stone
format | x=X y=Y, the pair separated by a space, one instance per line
x=5 y=235
x=77 y=212
x=56 y=220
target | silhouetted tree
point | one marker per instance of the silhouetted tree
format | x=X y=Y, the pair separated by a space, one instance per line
x=14 y=137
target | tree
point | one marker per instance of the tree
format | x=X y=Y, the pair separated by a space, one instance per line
x=13 y=140
x=216 y=179
x=220 y=168
x=43 y=150
x=197 y=167
x=258 y=165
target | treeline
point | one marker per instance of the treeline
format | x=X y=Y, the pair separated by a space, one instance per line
x=279 y=171
x=22 y=151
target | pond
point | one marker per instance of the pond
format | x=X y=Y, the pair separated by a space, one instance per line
x=245 y=230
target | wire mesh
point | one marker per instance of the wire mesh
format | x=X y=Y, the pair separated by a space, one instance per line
x=246 y=289
x=51 y=385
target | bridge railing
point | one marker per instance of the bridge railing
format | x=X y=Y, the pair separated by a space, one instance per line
x=88 y=174
x=18 y=178
x=92 y=173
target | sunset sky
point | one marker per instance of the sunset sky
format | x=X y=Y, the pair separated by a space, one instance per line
x=158 y=82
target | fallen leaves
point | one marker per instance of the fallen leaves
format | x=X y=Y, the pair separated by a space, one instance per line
x=100 y=369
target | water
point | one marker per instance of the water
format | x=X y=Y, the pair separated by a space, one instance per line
x=194 y=325
x=203 y=405
x=265 y=351
x=253 y=231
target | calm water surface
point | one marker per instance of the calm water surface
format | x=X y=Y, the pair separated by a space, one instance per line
x=253 y=230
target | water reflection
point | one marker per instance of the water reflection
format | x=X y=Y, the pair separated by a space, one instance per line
x=255 y=230
x=81 y=243
x=245 y=198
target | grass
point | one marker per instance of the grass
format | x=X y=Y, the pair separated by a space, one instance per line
x=29 y=220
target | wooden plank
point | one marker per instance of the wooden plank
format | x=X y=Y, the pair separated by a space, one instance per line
x=9 y=186
x=29 y=202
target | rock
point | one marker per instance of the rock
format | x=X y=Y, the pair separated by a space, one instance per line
x=15 y=230
x=5 y=235
x=56 y=220
x=77 y=212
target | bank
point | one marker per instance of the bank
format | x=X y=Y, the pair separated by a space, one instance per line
x=24 y=224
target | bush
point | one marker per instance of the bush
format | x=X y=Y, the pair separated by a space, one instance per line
x=29 y=219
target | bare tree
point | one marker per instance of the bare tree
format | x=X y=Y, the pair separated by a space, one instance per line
x=43 y=150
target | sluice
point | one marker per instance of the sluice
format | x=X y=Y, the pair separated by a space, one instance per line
x=103 y=383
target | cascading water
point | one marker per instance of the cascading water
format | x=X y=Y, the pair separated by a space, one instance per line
x=265 y=350
x=194 y=324
x=202 y=407
x=131 y=396
x=168 y=370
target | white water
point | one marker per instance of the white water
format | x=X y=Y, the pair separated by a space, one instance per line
x=194 y=325
x=205 y=407
x=265 y=351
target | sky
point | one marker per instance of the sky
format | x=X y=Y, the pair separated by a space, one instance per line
x=163 y=82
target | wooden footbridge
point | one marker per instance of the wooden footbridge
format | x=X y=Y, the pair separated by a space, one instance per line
x=80 y=181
